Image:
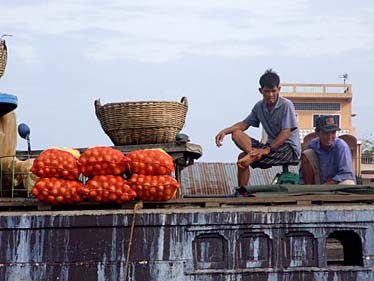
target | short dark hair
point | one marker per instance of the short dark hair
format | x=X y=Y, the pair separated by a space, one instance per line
x=269 y=79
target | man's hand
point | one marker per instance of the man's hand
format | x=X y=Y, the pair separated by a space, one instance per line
x=258 y=152
x=242 y=126
x=219 y=138
x=254 y=155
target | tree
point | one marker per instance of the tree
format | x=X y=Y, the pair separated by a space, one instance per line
x=368 y=144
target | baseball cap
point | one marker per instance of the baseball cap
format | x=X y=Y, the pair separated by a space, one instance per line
x=327 y=123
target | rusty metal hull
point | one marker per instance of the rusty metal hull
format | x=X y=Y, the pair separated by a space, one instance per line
x=191 y=243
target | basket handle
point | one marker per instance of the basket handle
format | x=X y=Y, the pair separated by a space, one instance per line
x=184 y=101
x=97 y=106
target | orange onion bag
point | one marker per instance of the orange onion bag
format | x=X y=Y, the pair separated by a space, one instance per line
x=108 y=188
x=150 y=162
x=154 y=188
x=102 y=160
x=57 y=162
x=58 y=191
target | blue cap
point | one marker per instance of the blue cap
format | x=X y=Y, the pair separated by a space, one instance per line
x=327 y=123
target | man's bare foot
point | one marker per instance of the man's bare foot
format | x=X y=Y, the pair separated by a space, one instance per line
x=245 y=161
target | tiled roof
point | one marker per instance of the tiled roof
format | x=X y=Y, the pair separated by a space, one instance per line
x=220 y=178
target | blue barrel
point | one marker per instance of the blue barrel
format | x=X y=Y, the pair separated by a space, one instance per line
x=7 y=103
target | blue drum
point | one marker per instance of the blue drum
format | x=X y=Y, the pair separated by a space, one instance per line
x=8 y=103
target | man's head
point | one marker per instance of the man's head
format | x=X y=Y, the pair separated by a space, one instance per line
x=269 y=82
x=326 y=128
x=269 y=79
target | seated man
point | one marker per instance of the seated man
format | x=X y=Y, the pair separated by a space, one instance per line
x=278 y=118
x=327 y=159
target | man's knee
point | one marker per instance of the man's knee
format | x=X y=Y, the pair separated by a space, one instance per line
x=241 y=155
x=304 y=160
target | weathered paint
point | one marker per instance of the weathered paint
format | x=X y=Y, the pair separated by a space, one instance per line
x=238 y=243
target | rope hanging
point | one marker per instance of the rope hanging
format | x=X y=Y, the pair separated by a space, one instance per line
x=137 y=206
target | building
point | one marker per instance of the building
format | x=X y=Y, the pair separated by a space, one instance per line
x=313 y=100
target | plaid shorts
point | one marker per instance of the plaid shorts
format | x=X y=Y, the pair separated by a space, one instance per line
x=279 y=156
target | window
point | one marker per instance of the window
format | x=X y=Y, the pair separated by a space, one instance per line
x=253 y=250
x=317 y=106
x=344 y=247
x=209 y=251
x=300 y=249
x=315 y=117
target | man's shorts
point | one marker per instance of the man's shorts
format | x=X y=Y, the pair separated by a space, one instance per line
x=279 y=156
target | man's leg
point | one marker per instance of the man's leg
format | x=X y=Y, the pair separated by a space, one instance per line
x=244 y=143
x=310 y=167
x=243 y=173
x=307 y=170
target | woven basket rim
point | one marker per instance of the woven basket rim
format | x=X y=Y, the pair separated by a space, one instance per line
x=142 y=103
x=132 y=121
x=3 y=57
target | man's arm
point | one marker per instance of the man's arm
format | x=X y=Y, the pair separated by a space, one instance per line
x=277 y=142
x=344 y=162
x=281 y=138
x=242 y=126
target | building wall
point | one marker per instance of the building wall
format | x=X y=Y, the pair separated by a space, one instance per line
x=192 y=244
x=316 y=94
x=321 y=93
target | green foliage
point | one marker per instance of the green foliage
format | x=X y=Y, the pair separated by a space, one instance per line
x=368 y=144
x=358 y=179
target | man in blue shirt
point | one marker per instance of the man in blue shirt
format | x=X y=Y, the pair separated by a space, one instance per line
x=327 y=159
x=278 y=118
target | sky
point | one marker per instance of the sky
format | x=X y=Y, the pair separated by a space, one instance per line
x=64 y=55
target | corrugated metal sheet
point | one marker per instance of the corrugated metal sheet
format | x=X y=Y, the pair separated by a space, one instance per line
x=221 y=178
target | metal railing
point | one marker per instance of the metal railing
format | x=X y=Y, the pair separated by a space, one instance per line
x=367 y=158
x=317 y=89
x=14 y=180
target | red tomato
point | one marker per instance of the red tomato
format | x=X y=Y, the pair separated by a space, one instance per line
x=51 y=199
x=154 y=187
x=45 y=192
x=54 y=190
x=54 y=163
x=77 y=198
x=93 y=193
x=108 y=187
x=35 y=191
x=103 y=160
x=112 y=197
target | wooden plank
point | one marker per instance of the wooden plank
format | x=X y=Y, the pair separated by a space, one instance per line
x=302 y=200
x=44 y=207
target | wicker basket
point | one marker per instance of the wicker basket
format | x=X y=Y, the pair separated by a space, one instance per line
x=142 y=122
x=3 y=56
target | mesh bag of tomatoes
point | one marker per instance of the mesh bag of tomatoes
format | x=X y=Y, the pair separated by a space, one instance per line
x=57 y=162
x=102 y=160
x=108 y=188
x=154 y=188
x=150 y=162
x=58 y=191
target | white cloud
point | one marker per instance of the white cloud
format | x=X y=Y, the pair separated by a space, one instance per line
x=157 y=31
